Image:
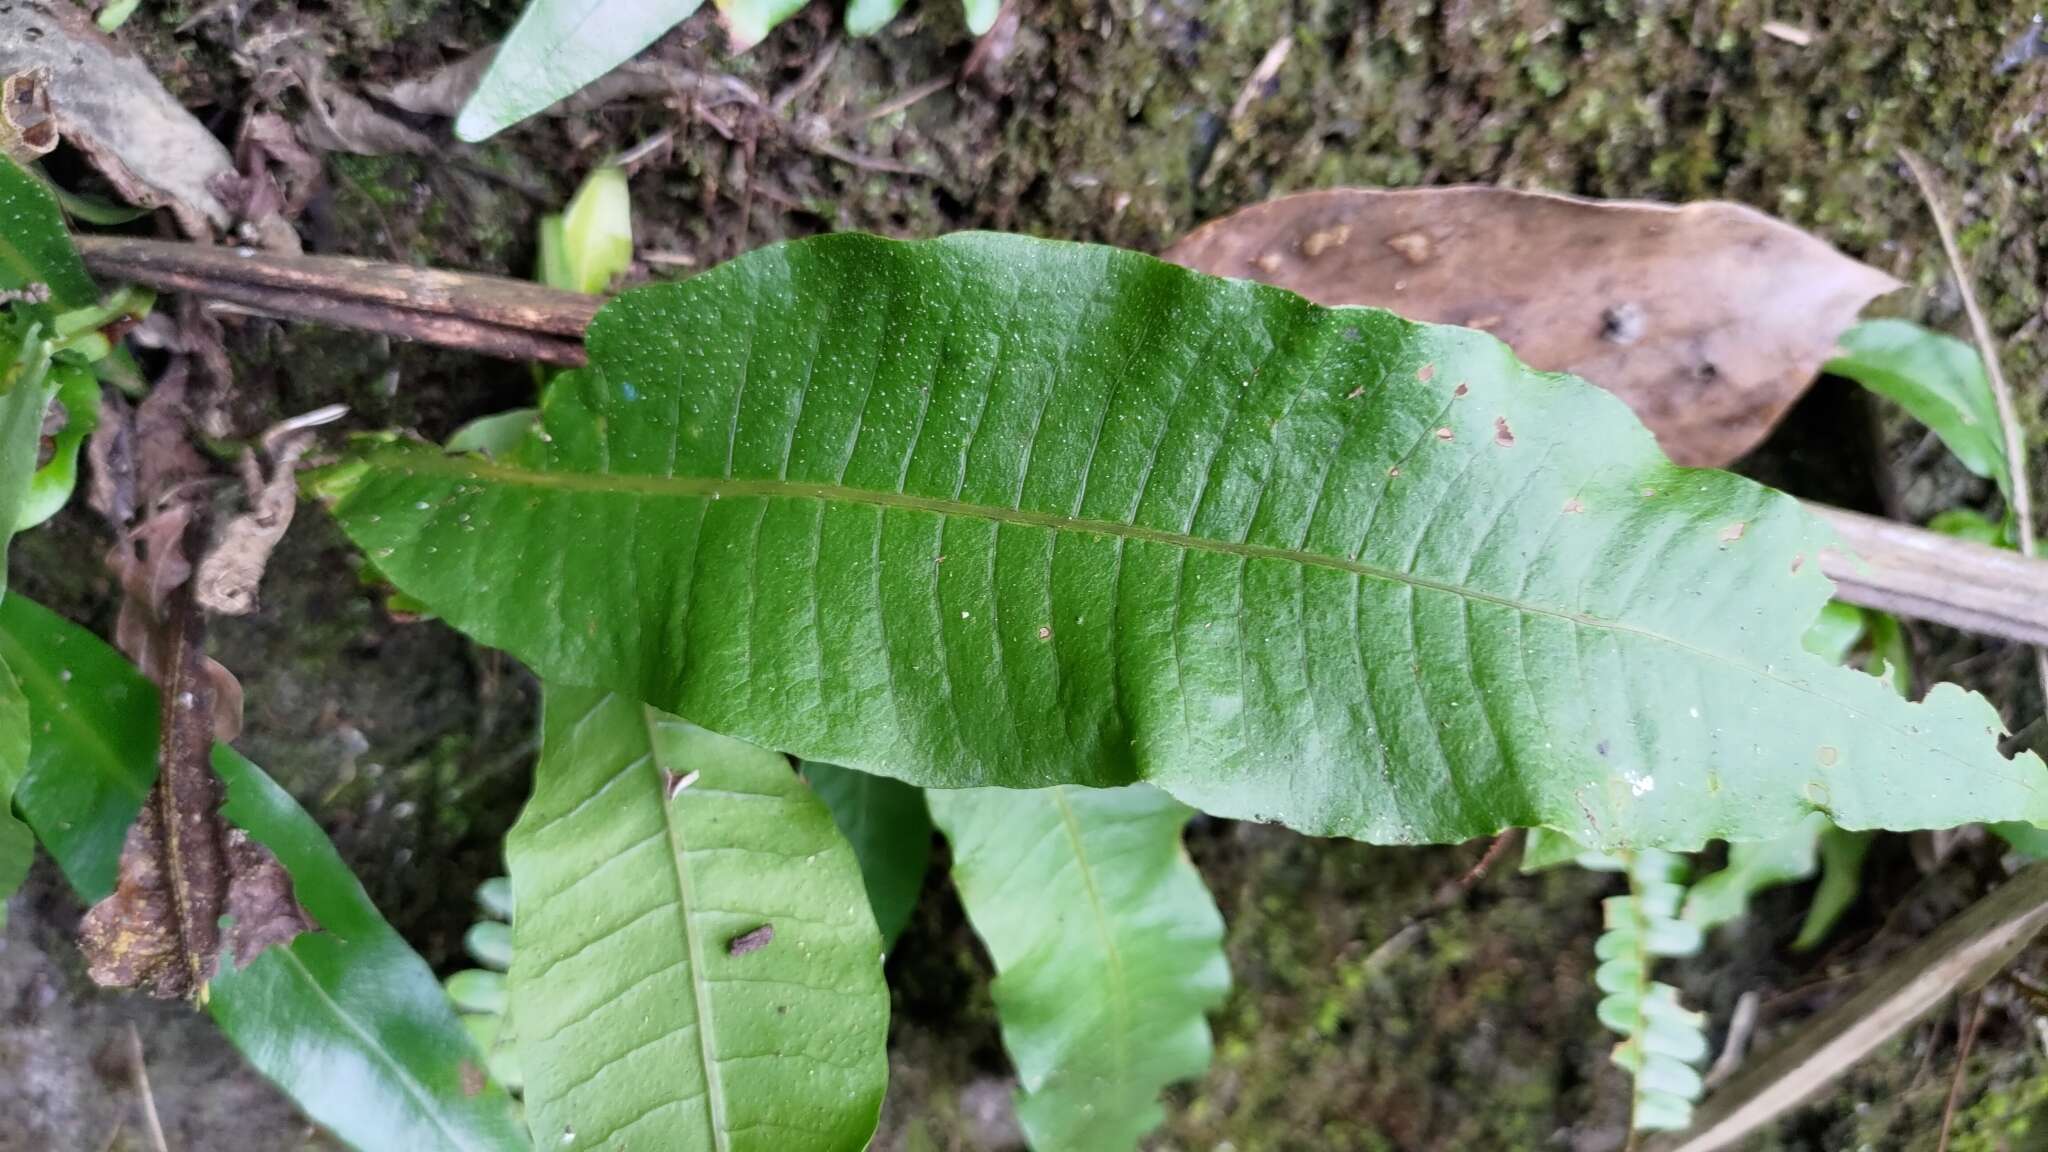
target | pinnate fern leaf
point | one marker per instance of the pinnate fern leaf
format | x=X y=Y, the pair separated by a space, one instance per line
x=1108 y=950
x=694 y=964
x=992 y=511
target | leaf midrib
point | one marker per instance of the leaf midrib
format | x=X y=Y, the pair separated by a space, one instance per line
x=413 y=461
x=700 y=989
x=1120 y=987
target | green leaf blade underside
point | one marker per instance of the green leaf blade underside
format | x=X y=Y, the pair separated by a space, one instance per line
x=1108 y=951
x=348 y=1020
x=1939 y=380
x=642 y=1022
x=557 y=47
x=996 y=511
x=891 y=832
x=17 y=844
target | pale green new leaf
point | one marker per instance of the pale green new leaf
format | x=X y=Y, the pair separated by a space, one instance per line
x=1107 y=947
x=591 y=243
x=866 y=17
x=557 y=47
x=996 y=511
x=1938 y=380
x=748 y=22
x=981 y=14
x=651 y=1012
x=886 y=822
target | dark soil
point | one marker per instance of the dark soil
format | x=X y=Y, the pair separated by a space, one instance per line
x=1111 y=122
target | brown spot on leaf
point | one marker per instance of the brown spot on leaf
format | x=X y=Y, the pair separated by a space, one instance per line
x=1394 y=471
x=1045 y=633
x=1444 y=433
x=1355 y=393
x=1502 y=434
x=1322 y=241
x=472 y=1078
x=1414 y=247
x=1574 y=505
x=1826 y=756
x=1461 y=389
x=1798 y=561
x=1732 y=532
x=1426 y=373
x=752 y=941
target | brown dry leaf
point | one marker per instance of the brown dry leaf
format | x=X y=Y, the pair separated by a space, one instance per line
x=231 y=572
x=182 y=867
x=337 y=119
x=1709 y=319
x=27 y=130
x=109 y=105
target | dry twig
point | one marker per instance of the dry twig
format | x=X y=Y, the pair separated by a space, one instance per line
x=2001 y=392
x=139 y=1073
x=1955 y=1083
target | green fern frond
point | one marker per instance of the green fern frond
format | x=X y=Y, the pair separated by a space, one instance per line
x=1662 y=1040
x=479 y=993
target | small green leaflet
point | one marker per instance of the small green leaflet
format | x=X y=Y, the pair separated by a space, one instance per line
x=1108 y=950
x=694 y=964
x=349 y=1021
x=1938 y=380
x=994 y=511
x=886 y=822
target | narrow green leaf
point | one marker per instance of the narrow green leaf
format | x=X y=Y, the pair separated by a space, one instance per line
x=996 y=511
x=17 y=845
x=694 y=964
x=1938 y=380
x=886 y=822
x=1107 y=946
x=557 y=47
x=867 y=17
x=78 y=390
x=92 y=754
x=1841 y=880
x=115 y=14
x=25 y=392
x=349 y=1021
x=1753 y=867
x=34 y=246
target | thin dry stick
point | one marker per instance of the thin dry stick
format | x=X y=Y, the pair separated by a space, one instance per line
x=2001 y=392
x=140 y=1074
x=1955 y=1083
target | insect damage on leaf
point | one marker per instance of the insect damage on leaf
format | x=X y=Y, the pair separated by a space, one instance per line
x=752 y=941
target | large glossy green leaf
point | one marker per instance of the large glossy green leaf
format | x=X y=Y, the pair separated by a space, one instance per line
x=1938 y=380
x=695 y=966
x=34 y=246
x=996 y=511
x=891 y=833
x=1108 y=950
x=348 y=1020
x=557 y=47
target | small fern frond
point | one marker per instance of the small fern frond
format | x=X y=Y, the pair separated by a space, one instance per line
x=479 y=993
x=1661 y=1040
